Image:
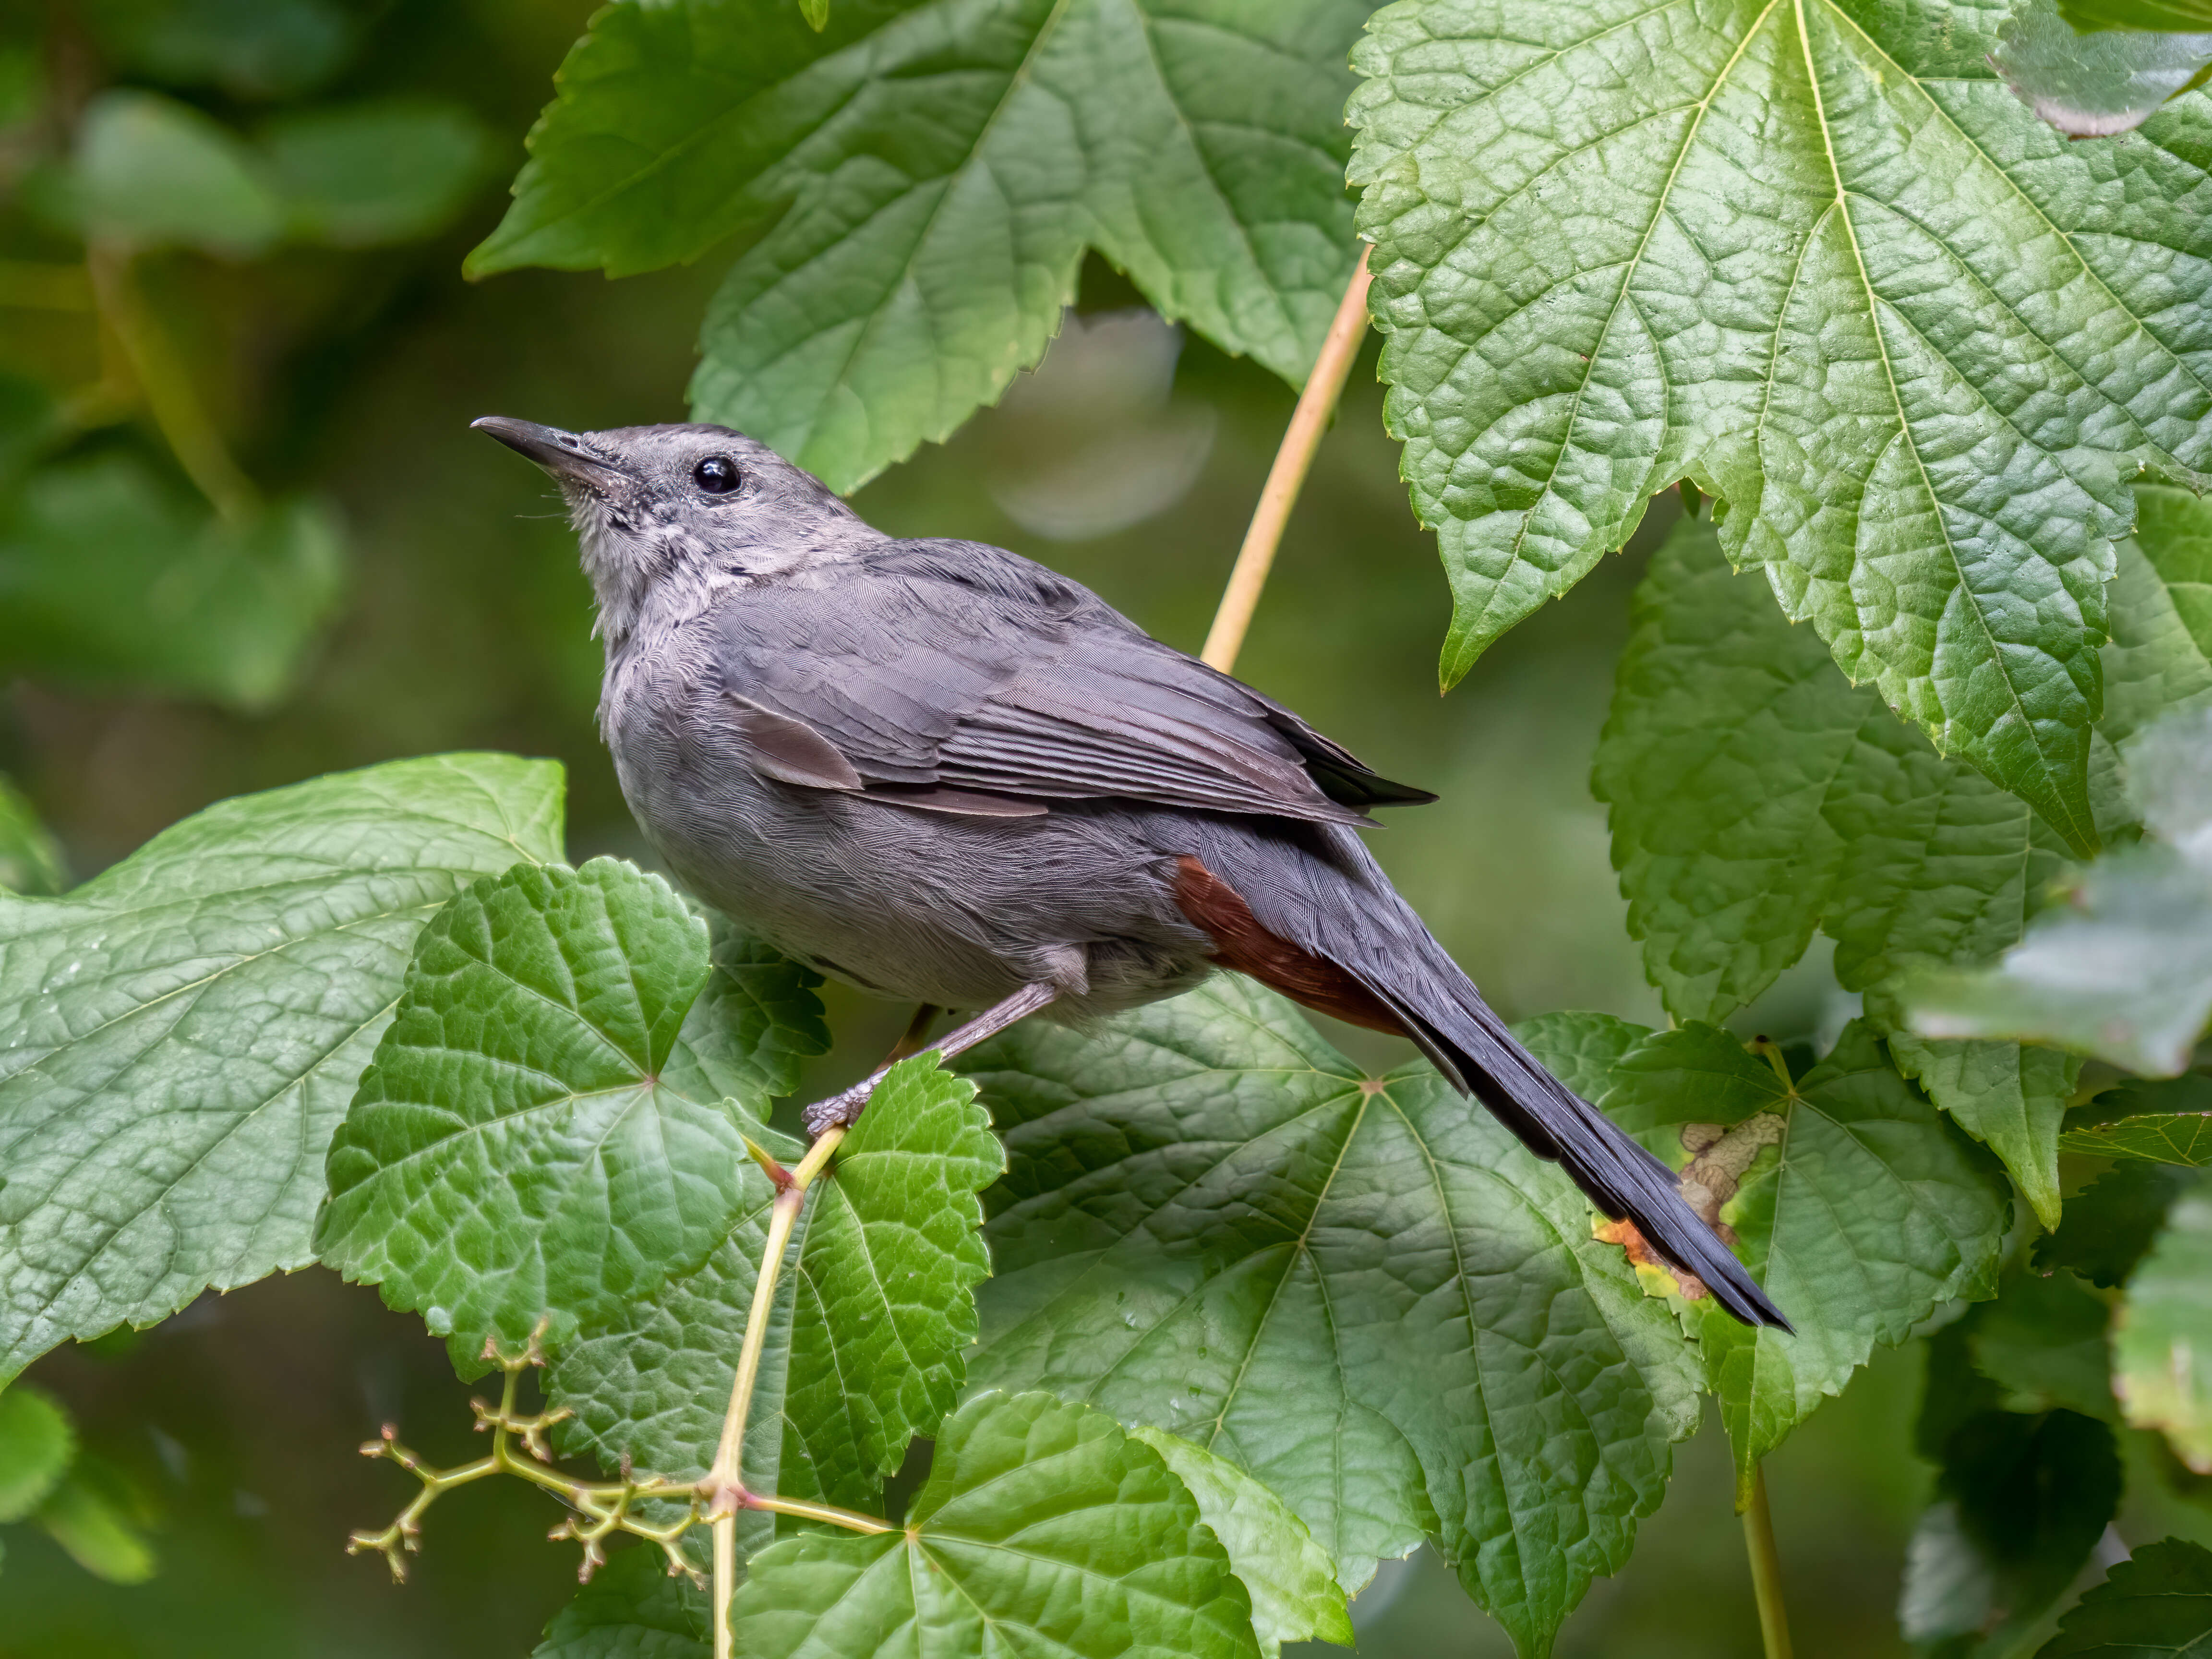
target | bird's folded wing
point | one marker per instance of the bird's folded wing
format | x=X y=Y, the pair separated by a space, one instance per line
x=995 y=677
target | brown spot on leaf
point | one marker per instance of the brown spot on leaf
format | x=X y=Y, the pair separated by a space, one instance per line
x=1720 y=1155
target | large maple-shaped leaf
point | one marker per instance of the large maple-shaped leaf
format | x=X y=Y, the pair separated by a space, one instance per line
x=519 y=1148
x=1858 y=1209
x=1362 y=1292
x=1757 y=795
x=1818 y=258
x=1043 y=1530
x=913 y=188
x=866 y=1345
x=179 y=1036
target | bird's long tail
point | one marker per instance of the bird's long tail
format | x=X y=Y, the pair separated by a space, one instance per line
x=1317 y=888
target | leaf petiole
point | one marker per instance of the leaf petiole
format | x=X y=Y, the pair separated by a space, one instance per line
x=1766 y=1571
x=723 y=1489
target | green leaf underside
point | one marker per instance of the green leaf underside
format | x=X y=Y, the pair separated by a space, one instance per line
x=914 y=187
x=2093 y=86
x=1043 y=1530
x=1291 y=1581
x=1860 y=1213
x=866 y=1345
x=179 y=1036
x=2124 y=968
x=2166 y=1121
x=514 y=1151
x=1818 y=258
x=631 y=1609
x=1756 y=796
x=2162 y=1345
x=2156 y=1603
x=36 y=1446
x=1363 y=1293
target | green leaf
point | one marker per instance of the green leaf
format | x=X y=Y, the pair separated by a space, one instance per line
x=37 y=1445
x=110 y=577
x=750 y=1030
x=913 y=188
x=1818 y=260
x=1043 y=1530
x=1292 y=1583
x=2156 y=1603
x=1728 y=734
x=180 y=1034
x=2093 y=86
x=513 y=1153
x=99 y=1518
x=652 y=1385
x=2111 y=1222
x=362 y=175
x=2168 y=1122
x=2021 y=1501
x=1853 y=1203
x=1757 y=795
x=815 y=12
x=887 y=1275
x=2124 y=969
x=2174 y=529
x=2155 y=661
x=2162 y=1347
x=1352 y=1289
x=30 y=863
x=866 y=1350
x=631 y=1609
x=2043 y=1342
x=150 y=172
x=2010 y=1097
x=252 y=48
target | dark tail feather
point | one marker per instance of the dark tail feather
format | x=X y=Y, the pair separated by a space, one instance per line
x=1471 y=1046
x=1317 y=887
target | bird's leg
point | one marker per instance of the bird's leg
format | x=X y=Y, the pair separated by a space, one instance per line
x=844 y=1108
x=915 y=1038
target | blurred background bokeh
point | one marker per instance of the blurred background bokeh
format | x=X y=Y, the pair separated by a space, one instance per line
x=287 y=401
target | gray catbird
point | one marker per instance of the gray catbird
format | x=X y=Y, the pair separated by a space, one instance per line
x=939 y=771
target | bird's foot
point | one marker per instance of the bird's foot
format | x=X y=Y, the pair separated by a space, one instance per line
x=841 y=1110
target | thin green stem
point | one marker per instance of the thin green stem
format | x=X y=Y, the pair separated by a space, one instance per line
x=1765 y=1570
x=724 y=1486
x=1771 y=1051
x=851 y=1520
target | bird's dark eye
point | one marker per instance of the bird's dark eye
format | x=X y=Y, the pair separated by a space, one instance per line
x=717 y=475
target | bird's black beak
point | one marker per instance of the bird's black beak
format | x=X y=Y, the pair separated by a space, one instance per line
x=563 y=454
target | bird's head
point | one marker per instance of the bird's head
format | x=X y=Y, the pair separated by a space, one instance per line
x=674 y=512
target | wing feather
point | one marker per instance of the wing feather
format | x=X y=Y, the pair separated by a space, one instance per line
x=968 y=668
